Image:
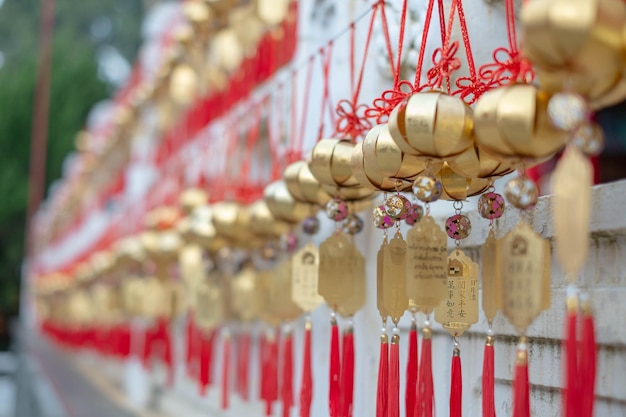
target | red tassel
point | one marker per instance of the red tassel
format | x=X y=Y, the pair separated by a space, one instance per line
x=263 y=346
x=347 y=373
x=286 y=390
x=270 y=357
x=411 y=373
x=191 y=340
x=456 y=386
x=425 y=393
x=588 y=362
x=521 y=387
x=383 y=377
x=571 y=393
x=243 y=364
x=225 y=371
x=334 y=393
x=146 y=354
x=206 y=360
x=162 y=336
x=489 y=402
x=393 y=395
x=306 y=390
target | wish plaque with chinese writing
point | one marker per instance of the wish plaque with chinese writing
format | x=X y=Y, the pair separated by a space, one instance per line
x=426 y=264
x=305 y=269
x=380 y=297
x=286 y=309
x=491 y=278
x=459 y=310
x=524 y=266
x=208 y=305
x=394 y=278
x=245 y=294
x=339 y=264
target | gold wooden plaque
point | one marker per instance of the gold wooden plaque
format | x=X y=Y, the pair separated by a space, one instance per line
x=426 y=265
x=245 y=294
x=286 y=309
x=394 y=278
x=571 y=182
x=208 y=305
x=268 y=310
x=380 y=297
x=305 y=270
x=460 y=308
x=356 y=300
x=524 y=259
x=491 y=278
x=133 y=293
x=338 y=264
x=191 y=265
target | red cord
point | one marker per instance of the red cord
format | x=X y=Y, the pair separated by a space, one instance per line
x=334 y=388
x=352 y=121
x=411 y=373
x=327 y=57
x=509 y=65
x=489 y=403
x=393 y=394
x=383 y=378
x=456 y=386
x=306 y=389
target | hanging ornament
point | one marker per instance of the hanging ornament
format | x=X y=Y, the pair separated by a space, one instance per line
x=490 y=207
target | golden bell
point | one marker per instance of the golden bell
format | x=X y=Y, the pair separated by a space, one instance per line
x=436 y=125
x=330 y=163
x=365 y=169
x=512 y=124
x=263 y=222
x=476 y=163
x=282 y=205
x=459 y=187
x=578 y=40
x=192 y=198
x=303 y=186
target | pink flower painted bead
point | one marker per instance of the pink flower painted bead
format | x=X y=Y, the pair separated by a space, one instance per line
x=337 y=210
x=381 y=218
x=414 y=215
x=491 y=206
x=458 y=226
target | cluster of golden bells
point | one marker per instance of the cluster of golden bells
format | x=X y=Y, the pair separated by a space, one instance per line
x=434 y=144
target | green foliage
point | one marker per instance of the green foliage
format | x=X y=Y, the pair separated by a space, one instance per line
x=75 y=87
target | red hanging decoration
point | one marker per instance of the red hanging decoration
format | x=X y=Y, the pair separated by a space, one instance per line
x=489 y=402
x=191 y=345
x=206 y=360
x=571 y=393
x=456 y=385
x=286 y=390
x=243 y=363
x=383 y=377
x=521 y=386
x=411 y=372
x=270 y=371
x=393 y=394
x=306 y=389
x=347 y=372
x=588 y=354
x=425 y=392
x=226 y=371
x=334 y=388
